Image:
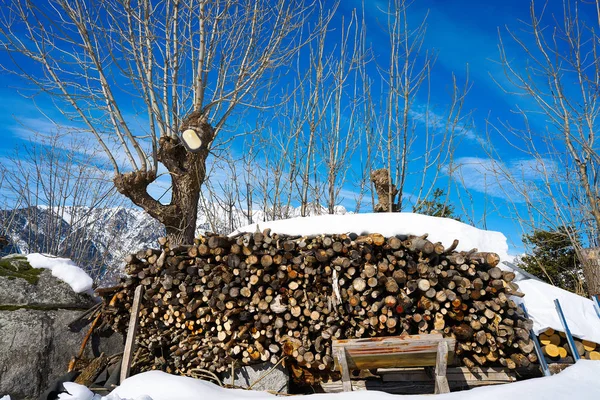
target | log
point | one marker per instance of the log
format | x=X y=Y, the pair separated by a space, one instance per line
x=551 y=350
x=262 y=296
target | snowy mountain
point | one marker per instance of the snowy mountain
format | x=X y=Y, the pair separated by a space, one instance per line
x=96 y=239
x=99 y=239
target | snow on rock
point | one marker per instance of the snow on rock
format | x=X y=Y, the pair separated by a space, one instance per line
x=579 y=312
x=579 y=381
x=7 y=397
x=76 y=391
x=63 y=269
x=443 y=230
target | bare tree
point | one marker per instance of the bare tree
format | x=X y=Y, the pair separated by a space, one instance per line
x=55 y=193
x=554 y=69
x=317 y=131
x=184 y=65
x=339 y=141
x=415 y=137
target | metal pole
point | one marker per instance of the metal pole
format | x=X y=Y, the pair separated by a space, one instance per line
x=538 y=348
x=567 y=331
x=596 y=301
x=522 y=271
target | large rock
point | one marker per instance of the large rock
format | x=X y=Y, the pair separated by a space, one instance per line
x=22 y=285
x=276 y=381
x=36 y=344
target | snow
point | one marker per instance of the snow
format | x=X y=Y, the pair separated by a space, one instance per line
x=442 y=230
x=75 y=391
x=64 y=269
x=7 y=397
x=579 y=312
x=579 y=381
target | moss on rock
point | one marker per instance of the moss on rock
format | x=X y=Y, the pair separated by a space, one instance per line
x=17 y=266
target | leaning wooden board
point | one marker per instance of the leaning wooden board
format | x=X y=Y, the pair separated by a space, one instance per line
x=416 y=351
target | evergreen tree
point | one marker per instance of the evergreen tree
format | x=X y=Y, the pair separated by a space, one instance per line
x=553 y=258
x=436 y=206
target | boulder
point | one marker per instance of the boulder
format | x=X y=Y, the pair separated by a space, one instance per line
x=36 y=344
x=22 y=285
x=276 y=381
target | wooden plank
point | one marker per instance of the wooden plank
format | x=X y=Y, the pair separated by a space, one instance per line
x=396 y=351
x=441 y=385
x=337 y=386
x=459 y=374
x=131 y=333
x=441 y=364
x=340 y=356
x=418 y=387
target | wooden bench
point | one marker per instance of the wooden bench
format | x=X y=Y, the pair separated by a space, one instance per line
x=395 y=351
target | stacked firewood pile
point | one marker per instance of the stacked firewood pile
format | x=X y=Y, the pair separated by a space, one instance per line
x=556 y=349
x=261 y=297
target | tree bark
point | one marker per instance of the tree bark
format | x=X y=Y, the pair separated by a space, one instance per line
x=386 y=191
x=591 y=270
x=187 y=170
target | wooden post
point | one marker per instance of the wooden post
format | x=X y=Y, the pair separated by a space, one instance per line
x=538 y=348
x=340 y=354
x=131 y=333
x=441 y=364
x=570 y=340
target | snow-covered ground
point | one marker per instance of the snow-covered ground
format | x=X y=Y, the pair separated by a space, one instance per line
x=64 y=269
x=442 y=230
x=578 y=382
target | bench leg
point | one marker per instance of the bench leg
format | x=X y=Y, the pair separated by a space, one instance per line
x=441 y=364
x=340 y=354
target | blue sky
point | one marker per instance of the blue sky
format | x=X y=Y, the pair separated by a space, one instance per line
x=463 y=34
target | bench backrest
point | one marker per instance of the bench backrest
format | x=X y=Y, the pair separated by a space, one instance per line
x=392 y=351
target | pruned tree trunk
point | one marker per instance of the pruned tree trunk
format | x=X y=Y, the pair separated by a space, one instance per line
x=386 y=191
x=187 y=170
x=591 y=269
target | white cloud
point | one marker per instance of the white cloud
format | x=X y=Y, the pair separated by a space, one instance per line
x=515 y=180
x=44 y=131
x=440 y=124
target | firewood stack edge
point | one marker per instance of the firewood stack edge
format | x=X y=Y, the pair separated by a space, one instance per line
x=230 y=301
x=556 y=349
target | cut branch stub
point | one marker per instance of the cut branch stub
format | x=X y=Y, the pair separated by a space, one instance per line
x=386 y=191
x=196 y=132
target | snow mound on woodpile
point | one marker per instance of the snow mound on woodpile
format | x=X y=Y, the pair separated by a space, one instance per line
x=579 y=381
x=443 y=230
x=579 y=312
x=63 y=269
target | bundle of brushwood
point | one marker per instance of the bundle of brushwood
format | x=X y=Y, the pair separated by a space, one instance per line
x=260 y=297
x=556 y=349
